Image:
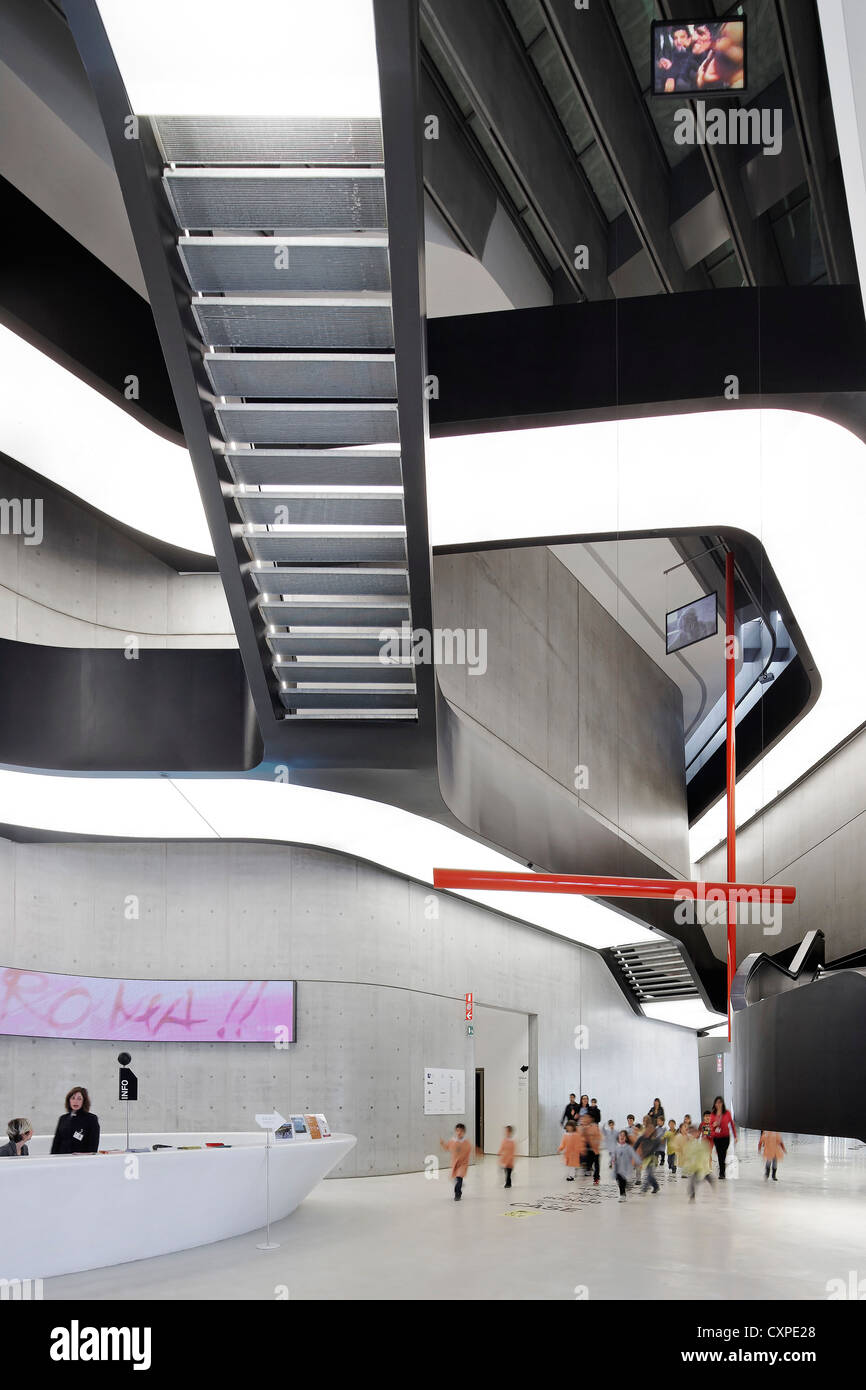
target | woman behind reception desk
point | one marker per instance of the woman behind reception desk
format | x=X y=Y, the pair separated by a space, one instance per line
x=19 y=1131
x=77 y=1131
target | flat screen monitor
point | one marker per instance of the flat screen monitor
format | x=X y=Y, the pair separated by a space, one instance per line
x=692 y=623
x=35 y=1004
x=698 y=58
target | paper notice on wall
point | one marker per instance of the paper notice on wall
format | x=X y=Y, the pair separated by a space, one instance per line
x=444 y=1091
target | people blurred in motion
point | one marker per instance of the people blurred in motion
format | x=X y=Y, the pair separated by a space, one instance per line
x=680 y=1143
x=506 y=1153
x=625 y=1160
x=773 y=1149
x=591 y=1136
x=610 y=1139
x=670 y=1146
x=571 y=1149
x=657 y=1115
x=571 y=1111
x=647 y=1148
x=460 y=1149
x=697 y=1160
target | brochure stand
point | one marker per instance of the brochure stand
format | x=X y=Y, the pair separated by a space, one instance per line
x=268 y=1123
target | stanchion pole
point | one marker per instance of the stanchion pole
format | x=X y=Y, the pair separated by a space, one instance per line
x=268 y=1244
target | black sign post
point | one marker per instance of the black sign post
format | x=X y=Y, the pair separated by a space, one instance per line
x=127 y=1087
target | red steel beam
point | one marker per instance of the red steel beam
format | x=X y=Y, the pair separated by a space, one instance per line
x=606 y=886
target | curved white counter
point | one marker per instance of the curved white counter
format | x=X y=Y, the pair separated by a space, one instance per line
x=59 y=1215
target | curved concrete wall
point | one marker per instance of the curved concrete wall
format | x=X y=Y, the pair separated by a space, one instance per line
x=87 y=585
x=814 y=837
x=570 y=691
x=383 y=965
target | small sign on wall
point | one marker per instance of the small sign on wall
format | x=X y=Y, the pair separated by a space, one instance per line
x=468 y=1008
x=444 y=1091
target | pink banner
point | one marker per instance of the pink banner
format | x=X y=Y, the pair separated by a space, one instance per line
x=36 y=1005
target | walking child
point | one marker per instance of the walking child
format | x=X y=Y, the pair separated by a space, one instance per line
x=773 y=1149
x=460 y=1149
x=591 y=1136
x=610 y=1139
x=671 y=1146
x=647 y=1147
x=680 y=1144
x=625 y=1160
x=697 y=1161
x=506 y=1154
x=571 y=1149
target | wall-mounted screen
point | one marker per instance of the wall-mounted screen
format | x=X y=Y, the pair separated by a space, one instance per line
x=698 y=58
x=37 y=1005
x=692 y=623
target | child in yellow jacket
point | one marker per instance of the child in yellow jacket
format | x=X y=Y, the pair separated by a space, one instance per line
x=671 y=1136
x=697 y=1161
x=679 y=1145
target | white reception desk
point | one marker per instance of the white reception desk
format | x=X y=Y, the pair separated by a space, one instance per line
x=59 y=1215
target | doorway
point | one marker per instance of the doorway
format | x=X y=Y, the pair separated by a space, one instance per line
x=479 y=1109
x=504 y=1058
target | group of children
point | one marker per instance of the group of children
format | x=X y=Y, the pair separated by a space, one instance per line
x=635 y=1151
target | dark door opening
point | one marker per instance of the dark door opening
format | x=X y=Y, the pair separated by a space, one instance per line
x=479 y=1109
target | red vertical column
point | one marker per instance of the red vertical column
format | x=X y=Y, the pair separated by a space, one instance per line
x=730 y=766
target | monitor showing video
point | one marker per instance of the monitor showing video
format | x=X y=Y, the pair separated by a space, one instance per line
x=692 y=623
x=698 y=58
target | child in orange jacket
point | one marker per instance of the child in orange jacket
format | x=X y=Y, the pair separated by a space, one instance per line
x=591 y=1136
x=773 y=1149
x=506 y=1153
x=460 y=1149
x=571 y=1148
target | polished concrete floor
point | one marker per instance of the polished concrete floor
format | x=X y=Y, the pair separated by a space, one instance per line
x=405 y=1238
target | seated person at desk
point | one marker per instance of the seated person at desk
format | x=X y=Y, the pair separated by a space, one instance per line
x=19 y=1131
x=77 y=1130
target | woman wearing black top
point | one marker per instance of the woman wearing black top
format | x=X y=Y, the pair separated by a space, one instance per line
x=77 y=1131
x=657 y=1115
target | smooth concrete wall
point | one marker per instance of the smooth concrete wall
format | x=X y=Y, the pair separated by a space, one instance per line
x=716 y=1072
x=501 y=1049
x=383 y=965
x=88 y=585
x=813 y=837
x=567 y=688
